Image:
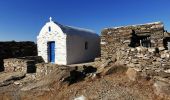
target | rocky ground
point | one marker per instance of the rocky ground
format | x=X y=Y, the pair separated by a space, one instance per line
x=108 y=82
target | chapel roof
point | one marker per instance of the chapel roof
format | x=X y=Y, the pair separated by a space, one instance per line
x=71 y=30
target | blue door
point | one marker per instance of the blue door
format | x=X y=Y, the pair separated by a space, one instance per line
x=51 y=52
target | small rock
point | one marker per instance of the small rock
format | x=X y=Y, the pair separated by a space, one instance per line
x=140 y=55
x=81 y=98
x=132 y=49
x=131 y=65
x=152 y=50
x=161 y=48
x=97 y=59
x=139 y=49
x=126 y=41
x=167 y=71
x=135 y=61
x=17 y=83
x=163 y=56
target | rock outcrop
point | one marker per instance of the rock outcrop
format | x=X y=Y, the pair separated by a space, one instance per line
x=8 y=78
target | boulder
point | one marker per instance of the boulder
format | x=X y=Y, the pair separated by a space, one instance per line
x=162 y=88
x=116 y=68
x=133 y=74
x=161 y=48
x=104 y=64
x=60 y=75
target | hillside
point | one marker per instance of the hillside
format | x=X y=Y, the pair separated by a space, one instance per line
x=67 y=83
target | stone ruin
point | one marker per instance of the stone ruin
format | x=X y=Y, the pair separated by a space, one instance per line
x=149 y=35
x=144 y=49
x=137 y=45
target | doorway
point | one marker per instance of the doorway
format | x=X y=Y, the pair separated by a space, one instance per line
x=166 y=43
x=140 y=40
x=51 y=51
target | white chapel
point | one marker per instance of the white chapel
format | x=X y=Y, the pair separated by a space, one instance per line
x=63 y=45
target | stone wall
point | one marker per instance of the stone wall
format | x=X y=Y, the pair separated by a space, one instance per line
x=22 y=64
x=146 y=60
x=43 y=69
x=112 y=39
x=143 y=49
x=16 y=49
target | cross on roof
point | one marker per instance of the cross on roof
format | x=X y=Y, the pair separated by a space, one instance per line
x=50 y=19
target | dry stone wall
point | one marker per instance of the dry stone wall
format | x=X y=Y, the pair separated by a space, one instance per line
x=112 y=39
x=43 y=69
x=143 y=49
x=16 y=49
x=146 y=60
x=15 y=65
x=22 y=64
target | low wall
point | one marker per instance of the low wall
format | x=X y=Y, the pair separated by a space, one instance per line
x=43 y=69
x=14 y=49
x=22 y=64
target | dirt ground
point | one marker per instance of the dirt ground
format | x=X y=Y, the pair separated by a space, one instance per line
x=111 y=87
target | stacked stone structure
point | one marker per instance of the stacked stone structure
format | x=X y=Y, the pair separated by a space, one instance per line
x=14 y=49
x=144 y=49
x=43 y=69
x=22 y=64
x=18 y=65
x=146 y=35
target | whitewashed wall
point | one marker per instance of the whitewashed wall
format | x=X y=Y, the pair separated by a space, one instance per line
x=56 y=35
x=76 y=52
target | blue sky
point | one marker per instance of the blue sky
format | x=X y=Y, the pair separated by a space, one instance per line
x=21 y=20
